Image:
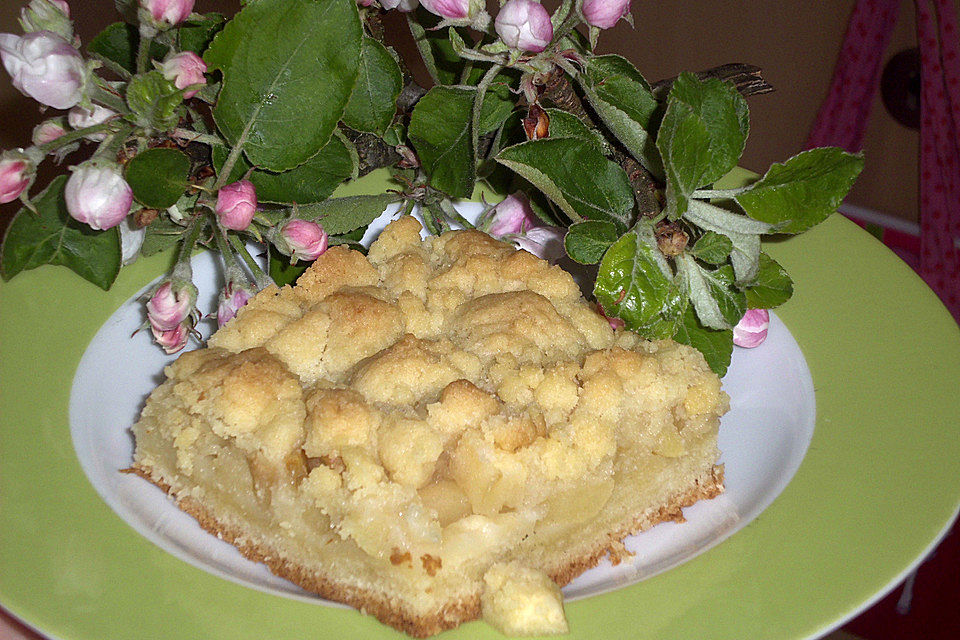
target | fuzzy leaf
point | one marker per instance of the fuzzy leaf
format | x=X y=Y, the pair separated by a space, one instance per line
x=286 y=79
x=623 y=100
x=567 y=125
x=281 y=271
x=719 y=305
x=772 y=287
x=742 y=231
x=577 y=177
x=119 y=42
x=804 y=190
x=712 y=247
x=497 y=105
x=51 y=236
x=154 y=101
x=312 y=181
x=342 y=215
x=715 y=345
x=633 y=283
x=196 y=33
x=161 y=234
x=374 y=100
x=701 y=137
x=158 y=177
x=440 y=132
x=586 y=242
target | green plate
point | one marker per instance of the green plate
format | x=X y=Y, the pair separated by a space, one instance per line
x=877 y=489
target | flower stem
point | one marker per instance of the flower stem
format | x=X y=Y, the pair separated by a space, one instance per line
x=113 y=142
x=564 y=20
x=260 y=278
x=561 y=14
x=143 y=54
x=452 y=213
x=182 y=269
x=482 y=87
x=106 y=96
x=196 y=136
x=72 y=136
x=420 y=37
x=707 y=194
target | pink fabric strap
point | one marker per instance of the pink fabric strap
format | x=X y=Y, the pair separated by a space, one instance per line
x=842 y=121
x=940 y=150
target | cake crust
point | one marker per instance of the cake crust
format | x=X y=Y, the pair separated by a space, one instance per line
x=389 y=611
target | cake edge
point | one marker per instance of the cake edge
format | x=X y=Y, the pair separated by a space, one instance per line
x=390 y=612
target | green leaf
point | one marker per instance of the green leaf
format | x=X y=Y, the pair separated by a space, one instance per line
x=623 y=100
x=567 y=125
x=196 y=34
x=158 y=177
x=374 y=100
x=497 y=106
x=718 y=303
x=440 y=132
x=586 y=242
x=804 y=190
x=634 y=284
x=119 y=43
x=772 y=287
x=153 y=101
x=343 y=215
x=712 y=247
x=161 y=234
x=743 y=232
x=313 y=181
x=701 y=137
x=716 y=346
x=289 y=67
x=577 y=177
x=437 y=52
x=51 y=236
x=282 y=272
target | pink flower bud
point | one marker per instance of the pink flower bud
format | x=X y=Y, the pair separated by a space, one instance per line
x=171 y=304
x=233 y=297
x=543 y=242
x=524 y=25
x=48 y=131
x=80 y=118
x=404 y=6
x=604 y=13
x=449 y=9
x=185 y=69
x=236 y=204
x=168 y=12
x=365 y=3
x=16 y=175
x=172 y=340
x=305 y=240
x=98 y=196
x=752 y=328
x=45 y=67
x=512 y=215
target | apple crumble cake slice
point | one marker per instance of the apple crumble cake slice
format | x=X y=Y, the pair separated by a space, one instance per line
x=436 y=431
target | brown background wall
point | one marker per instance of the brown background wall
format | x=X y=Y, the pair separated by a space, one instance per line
x=794 y=42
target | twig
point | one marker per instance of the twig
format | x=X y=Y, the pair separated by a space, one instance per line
x=745 y=77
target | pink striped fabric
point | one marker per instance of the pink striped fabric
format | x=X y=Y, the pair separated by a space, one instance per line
x=843 y=116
